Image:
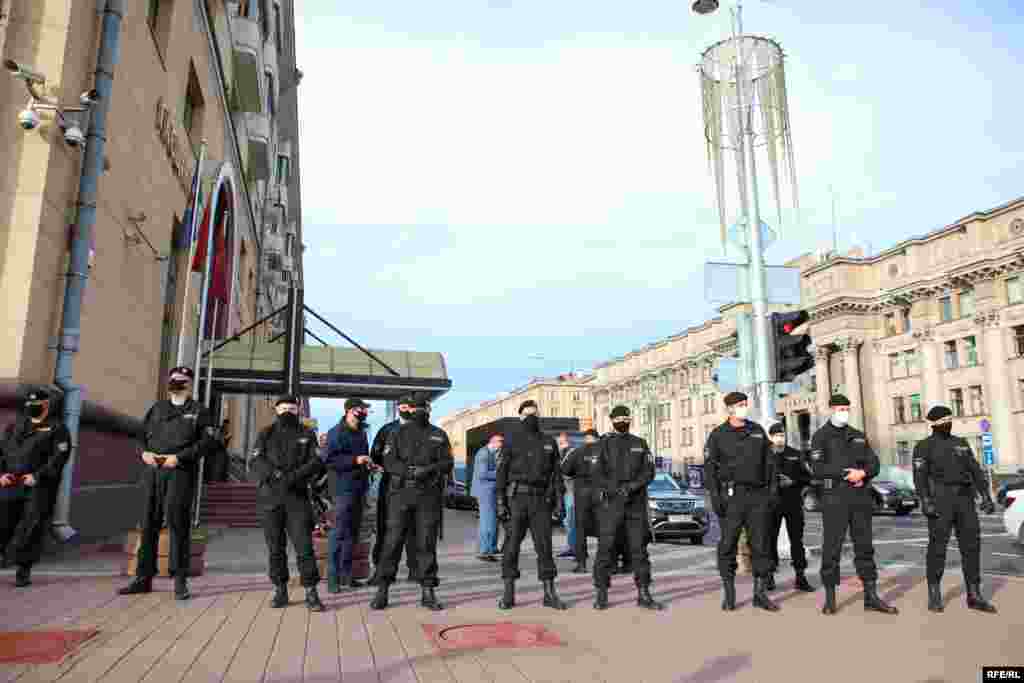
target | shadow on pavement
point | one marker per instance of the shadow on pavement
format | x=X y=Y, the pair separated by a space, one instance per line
x=719 y=669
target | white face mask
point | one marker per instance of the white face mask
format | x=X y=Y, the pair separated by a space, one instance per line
x=779 y=441
x=741 y=412
x=839 y=419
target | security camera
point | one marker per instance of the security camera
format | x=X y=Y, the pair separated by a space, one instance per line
x=23 y=72
x=28 y=119
x=73 y=136
x=89 y=98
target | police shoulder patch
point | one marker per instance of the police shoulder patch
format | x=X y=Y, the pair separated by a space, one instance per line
x=757 y=435
x=548 y=447
x=638 y=449
x=816 y=454
x=190 y=416
x=437 y=438
x=858 y=439
x=62 y=447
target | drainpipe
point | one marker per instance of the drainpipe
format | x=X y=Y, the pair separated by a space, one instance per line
x=5 y=20
x=78 y=266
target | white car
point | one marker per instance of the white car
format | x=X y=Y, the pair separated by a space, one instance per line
x=1013 y=515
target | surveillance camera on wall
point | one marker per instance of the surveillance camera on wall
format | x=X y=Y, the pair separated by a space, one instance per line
x=74 y=136
x=25 y=73
x=28 y=119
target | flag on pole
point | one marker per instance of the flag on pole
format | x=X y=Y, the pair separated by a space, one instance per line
x=219 y=270
x=195 y=199
x=199 y=260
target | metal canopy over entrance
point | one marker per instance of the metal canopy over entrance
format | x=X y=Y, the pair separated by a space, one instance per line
x=243 y=366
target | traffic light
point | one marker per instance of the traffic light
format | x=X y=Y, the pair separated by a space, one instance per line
x=791 y=355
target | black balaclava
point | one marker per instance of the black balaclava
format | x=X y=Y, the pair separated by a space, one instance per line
x=621 y=427
x=531 y=423
x=288 y=420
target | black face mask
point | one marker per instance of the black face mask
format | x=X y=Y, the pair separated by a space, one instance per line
x=288 y=420
x=404 y=415
x=943 y=430
x=176 y=385
x=421 y=417
x=531 y=423
x=621 y=427
x=35 y=411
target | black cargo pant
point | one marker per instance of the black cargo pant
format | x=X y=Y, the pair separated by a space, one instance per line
x=168 y=498
x=628 y=517
x=413 y=511
x=530 y=510
x=847 y=508
x=790 y=508
x=23 y=525
x=586 y=503
x=382 y=527
x=956 y=508
x=295 y=517
x=748 y=508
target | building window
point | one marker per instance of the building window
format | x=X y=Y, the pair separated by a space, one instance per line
x=1014 y=291
x=192 y=109
x=896 y=367
x=899 y=410
x=908 y=326
x=278 y=30
x=664 y=412
x=977 y=400
x=952 y=360
x=956 y=398
x=1020 y=390
x=910 y=358
x=554 y=412
x=283 y=168
x=1018 y=339
x=946 y=309
x=915 y=407
x=966 y=303
x=271 y=102
x=264 y=20
x=890 y=324
x=971 y=350
x=576 y=396
x=903 y=453
x=687 y=407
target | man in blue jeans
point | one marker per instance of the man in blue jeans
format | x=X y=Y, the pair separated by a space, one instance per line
x=485 y=476
x=569 y=501
x=348 y=454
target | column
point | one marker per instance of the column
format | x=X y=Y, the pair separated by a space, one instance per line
x=822 y=384
x=851 y=371
x=931 y=369
x=997 y=392
x=881 y=435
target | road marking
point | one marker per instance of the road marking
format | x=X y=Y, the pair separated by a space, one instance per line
x=1009 y=555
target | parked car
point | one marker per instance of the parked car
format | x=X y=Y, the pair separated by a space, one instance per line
x=892 y=491
x=1013 y=515
x=675 y=512
x=1009 y=485
x=457 y=496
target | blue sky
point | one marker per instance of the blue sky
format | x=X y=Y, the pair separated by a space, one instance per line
x=497 y=179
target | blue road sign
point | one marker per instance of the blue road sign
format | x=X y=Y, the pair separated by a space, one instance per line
x=986 y=440
x=989 y=455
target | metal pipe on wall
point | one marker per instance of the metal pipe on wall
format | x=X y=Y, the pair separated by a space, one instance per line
x=5 y=20
x=78 y=265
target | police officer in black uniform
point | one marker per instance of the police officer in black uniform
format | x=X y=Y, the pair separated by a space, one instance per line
x=624 y=469
x=32 y=458
x=529 y=490
x=284 y=462
x=177 y=432
x=377 y=457
x=580 y=465
x=791 y=471
x=739 y=468
x=947 y=477
x=844 y=460
x=417 y=456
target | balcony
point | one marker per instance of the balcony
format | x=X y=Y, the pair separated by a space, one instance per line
x=255 y=143
x=247 y=47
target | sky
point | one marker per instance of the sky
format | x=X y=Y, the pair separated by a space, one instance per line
x=497 y=180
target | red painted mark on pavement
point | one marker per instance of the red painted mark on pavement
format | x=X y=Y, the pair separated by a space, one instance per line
x=484 y=636
x=40 y=647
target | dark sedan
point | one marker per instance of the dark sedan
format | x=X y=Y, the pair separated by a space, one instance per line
x=892 y=491
x=675 y=513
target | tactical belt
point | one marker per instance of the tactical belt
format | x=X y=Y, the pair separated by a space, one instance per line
x=957 y=488
x=518 y=487
x=744 y=487
x=832 y=483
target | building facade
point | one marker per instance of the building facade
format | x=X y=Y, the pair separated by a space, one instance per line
x=189 y=71
x=561 y=396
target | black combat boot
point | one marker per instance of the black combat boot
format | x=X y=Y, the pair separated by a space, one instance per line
x=508 y=598
x=23 y=577
x=551 y=598
x=761 y=598
x=644 y=599
x=976 y=601
x=935 y=597
x=729 y=594
x=380 y=600
x=280 y=596
x=873 y=603
x=350 y=583
x=830 y=600
x=141 y=584
x=428 y=599
x=802 y=584
x=313 y=600
x=769 y=582
x=374 y=578
x=580 y=568
x=181 y=591
x=601 y=598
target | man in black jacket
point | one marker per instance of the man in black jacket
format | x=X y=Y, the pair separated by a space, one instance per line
x=176 y=432
x=580 y=465
x=284 y=462
x=383 y=485
x=529 y=489
x=947 y=477
x=793 y=477
x=740 y=474
x=624 y=469
x=845 y=462
x=417 y=456
x=32 y=458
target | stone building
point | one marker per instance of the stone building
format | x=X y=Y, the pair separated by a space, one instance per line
x=189 y=70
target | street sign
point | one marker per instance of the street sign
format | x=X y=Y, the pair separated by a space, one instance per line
x=986 y=440
x=740 y=236
x=989 y=455
x=985 y=425
x=729 y=283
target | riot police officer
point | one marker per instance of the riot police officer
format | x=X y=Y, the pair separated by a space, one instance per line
x=740 y=472
x=845 y=462
x=793 y=477
x=947 y=477
x=284 y=462
x=176 y=432
x=580 y=465
x=417 y=456
x=529 y=490
x=32 y=458
x=624 y=469
x=383 y=485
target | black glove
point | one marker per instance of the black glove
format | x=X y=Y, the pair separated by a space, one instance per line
x=784 y=481
x=928 y=508
x=602 y=496
x=417 y=472
x=504 y=514
x=275 y=477
x=988 y=507
x=719 y=507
